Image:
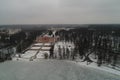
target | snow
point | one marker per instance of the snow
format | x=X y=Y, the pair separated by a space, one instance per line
x=103 y=68
x=35 y=48
x=41 y=54
x=38 y=44
x=51 y=70
x=92 y=57
x=47 y=44
x=40 y=69
x=48 y=48
x=29 y=54
x=64 y=44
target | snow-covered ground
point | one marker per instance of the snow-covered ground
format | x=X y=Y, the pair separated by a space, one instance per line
x=47 y=44
x=102 y=68
x=35 y=48
x=63 y=46
x=48 y=48
x=29 y=54
x=41 y=54
x=51 y=70
x=38 y=44
x=40 y=69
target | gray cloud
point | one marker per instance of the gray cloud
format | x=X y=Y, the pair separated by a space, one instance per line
x=59 y=11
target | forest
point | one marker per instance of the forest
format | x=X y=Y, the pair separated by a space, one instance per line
x=20 y=41
x=103 y=44
x=100 y=41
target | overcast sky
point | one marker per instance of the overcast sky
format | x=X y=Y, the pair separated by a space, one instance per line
x=59 y=11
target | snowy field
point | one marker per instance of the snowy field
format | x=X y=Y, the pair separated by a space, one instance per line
x=51 y=70
x=41 y=54
x=29 y=54
x=102 y=68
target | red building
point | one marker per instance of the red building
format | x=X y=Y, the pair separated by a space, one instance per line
x=47 y=39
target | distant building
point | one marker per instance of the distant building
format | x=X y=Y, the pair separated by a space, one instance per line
x=9 y=31
x=47 y=39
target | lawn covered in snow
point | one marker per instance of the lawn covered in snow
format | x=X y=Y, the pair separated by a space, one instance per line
x=51 y=70
x=29 y=53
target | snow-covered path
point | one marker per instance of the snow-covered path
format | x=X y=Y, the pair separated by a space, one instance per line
x=51 y=70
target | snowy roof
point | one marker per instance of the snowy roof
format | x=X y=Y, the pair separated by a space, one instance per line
x=35 y=48
x=45 y=48
x=38 y=44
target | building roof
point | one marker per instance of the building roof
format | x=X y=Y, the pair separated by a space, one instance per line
x=46 y=39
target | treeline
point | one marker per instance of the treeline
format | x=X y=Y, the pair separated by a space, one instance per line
x=20 y=41
x=104 y=44
x=28 y=39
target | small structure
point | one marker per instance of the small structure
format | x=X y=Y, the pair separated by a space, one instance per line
x=46 y=39
x=48 y=42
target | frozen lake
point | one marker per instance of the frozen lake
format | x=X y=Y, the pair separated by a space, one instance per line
x=51 y=70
